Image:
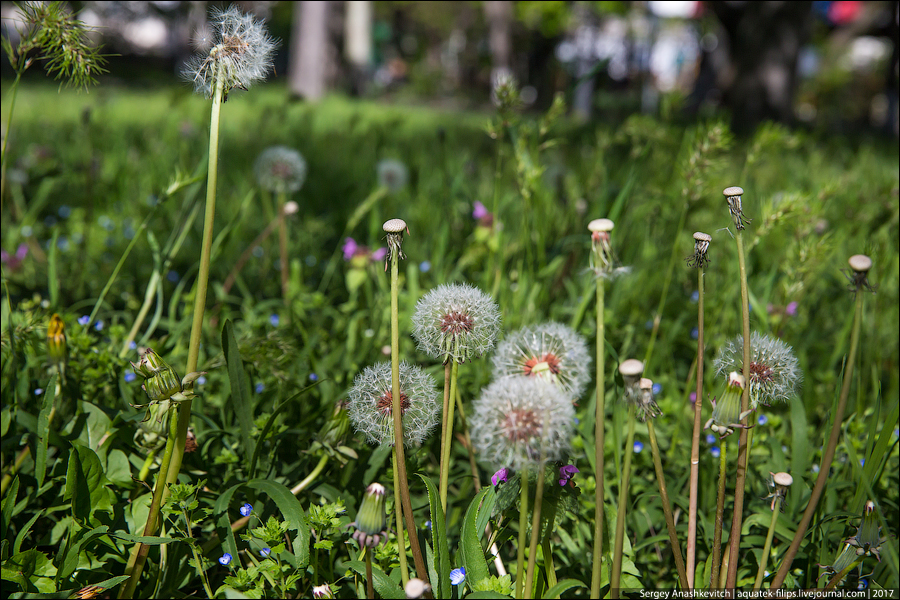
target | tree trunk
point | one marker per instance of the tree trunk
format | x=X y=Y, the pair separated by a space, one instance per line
x=499 y=16
x=309 y=50
x=764 y=42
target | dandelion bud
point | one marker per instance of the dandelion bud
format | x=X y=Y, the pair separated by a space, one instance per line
x=733 y=197
x=868 y=538
x=727 y=413
x=371 y=519
x=161 y=382
x=699 y=259
x=56 y=342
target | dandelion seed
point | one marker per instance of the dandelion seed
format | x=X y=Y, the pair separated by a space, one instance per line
x=549 y=351
x=456 y=322
x=774 y=370
x=240 y=55
x=371 y=403
x=280 y=169
x=520 y=421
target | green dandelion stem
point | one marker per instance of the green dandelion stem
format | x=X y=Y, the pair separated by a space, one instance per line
x=734 y=539
x=535 y=532
x=667 y=508
x=616 y=574
x=401 y=538
x=599 y=430
x=400 y=469
x=523 y=525
x=720 y=510
x=828 y=455
x=549 y=568
x=448 y=438
x=448 y=370
x=768 y=545
x=284 y=261
x=695 y=441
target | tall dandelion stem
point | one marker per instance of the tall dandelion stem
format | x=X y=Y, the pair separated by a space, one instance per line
x=720 y=510
x=734 y=538
x=447 y=441
x=828 y=455
x=695 y=440
x=616 y=573
x=768 y=545
x=599 y=430
x=395 y=227
x=667 y=507
x=523 y=525
x=284 y=261
x=535 y=531
x=401 y=539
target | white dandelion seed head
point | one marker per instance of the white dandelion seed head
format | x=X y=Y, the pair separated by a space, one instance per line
x=549 y=351
x=239 y=52
x=775 y=373
x=456 y=322
x=392 y=174
x=370 y=404
x=519 y=420
x=280 y=169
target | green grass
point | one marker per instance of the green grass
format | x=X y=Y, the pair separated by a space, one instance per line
x=814 y=200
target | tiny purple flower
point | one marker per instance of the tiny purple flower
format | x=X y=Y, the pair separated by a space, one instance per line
x=14 y=262
x=225 y=559
x=479 y=211
x=791 y=309
x=313 y=377
x=566 y=473
x=638 y=446
x=693 y=397
x=457 y=576
x=246 y=509
x=500 y=476
x=84 y=320
x=98 y=326
x=349 y=248
x=378 y=255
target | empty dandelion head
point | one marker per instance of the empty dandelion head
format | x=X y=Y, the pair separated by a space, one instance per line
x=779 y=484
x=371 y=401
x=733 y=197
x=456 y=322
x=394 y=229
x=775 y=372
x=240 y=53
x=549 y=351
x=519 y=421
x=699 y=259
x=602 y=260
x=392 y=174
x=858 y=273
x=280 y=169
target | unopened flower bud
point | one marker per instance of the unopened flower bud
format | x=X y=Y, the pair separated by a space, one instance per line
x=56 y=342
x=371 y=519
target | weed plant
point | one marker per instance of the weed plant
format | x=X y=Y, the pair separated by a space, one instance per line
x=106 y=189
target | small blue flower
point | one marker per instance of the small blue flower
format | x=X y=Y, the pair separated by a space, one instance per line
x=710 y=438
x=129 y=376
x=863 y=584
x=715 y=451
x=695 y=333
x=862 y=462
x=38 y=391
x=260 y=387
x=695 y=296
x=457 y=576
x=638 y=446
x=132 y=345
x=424 y=266
x=84 y=320
x=225 y=559
x=428 y=524
x=172 y=276
x=274 y=320
x=648 y=325
x=64 y=211
x=815 y=468
x=201 y=380
x=265 y=552
x=246 y=509
x=98 y=326
x=657 y=389
x=62 y=243
x=762 y=420
x=313 y=377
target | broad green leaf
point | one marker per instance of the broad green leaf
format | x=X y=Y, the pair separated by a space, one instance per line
x=240 y=388
x=563 y=586
x=470 y=549
x=438 y=541
x=70 y=561
x=43 y=431
x=32 y=570
x=23 y=533
x=384 y=585
x=85 y=483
